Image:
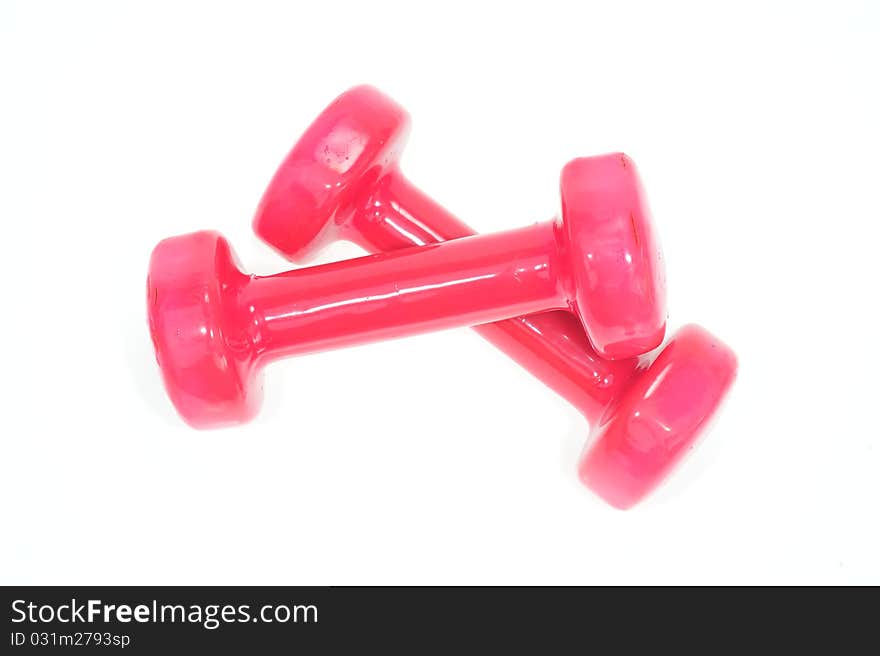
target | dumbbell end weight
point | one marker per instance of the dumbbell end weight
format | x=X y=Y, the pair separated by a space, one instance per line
x=620 y=291
x=328 y=175
x=657 y=420
x=206 y=358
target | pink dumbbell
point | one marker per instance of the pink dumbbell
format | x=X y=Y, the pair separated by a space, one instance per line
x=213 y=326
x=342 y=181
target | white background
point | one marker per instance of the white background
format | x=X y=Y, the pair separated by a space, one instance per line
x=435 y=459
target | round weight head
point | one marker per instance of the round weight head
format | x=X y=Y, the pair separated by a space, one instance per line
x=656 y=421
x=615 y=259
x=208 y=370
x=330 y=171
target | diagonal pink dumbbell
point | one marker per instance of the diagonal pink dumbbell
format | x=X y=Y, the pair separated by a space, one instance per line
x=342 y=181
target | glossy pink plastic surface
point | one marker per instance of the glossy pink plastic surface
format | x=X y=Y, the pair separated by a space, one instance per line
x=551 y=345
x=213 y=326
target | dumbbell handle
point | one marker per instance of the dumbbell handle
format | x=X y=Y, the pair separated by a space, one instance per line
x=550 y=345
x=444 y=285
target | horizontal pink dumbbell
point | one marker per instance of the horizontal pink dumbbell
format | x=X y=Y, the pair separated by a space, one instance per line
x=213 y=326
